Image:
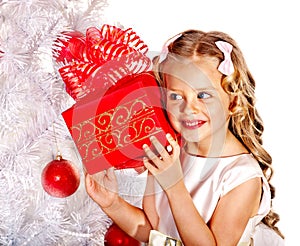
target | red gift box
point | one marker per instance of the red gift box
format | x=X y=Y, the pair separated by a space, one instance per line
x=118 y=105
x=109 y=128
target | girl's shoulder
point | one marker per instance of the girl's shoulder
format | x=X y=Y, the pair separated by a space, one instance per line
x=223 y=164
x=226 y=172
x=241 y=163
x=241 y=169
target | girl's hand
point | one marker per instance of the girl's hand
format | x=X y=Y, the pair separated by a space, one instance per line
x=165 y=167
x=102 y=187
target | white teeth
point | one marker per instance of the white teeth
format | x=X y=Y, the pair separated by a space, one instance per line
x=191 y=123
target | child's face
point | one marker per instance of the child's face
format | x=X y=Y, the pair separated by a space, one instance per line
x=197 y=105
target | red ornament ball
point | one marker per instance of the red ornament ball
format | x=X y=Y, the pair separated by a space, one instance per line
x=60 y=178
x=117 y=237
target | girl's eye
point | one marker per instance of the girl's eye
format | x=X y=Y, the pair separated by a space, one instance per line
x=174 y=96
x=203 y=95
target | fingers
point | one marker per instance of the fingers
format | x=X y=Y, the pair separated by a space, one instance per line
x=93 y=182
x=173 y=147
x=98 y=177
x=111 y=174
x=101 y=180
x=88 y=180
x=152 y=168
x=161 y=156
x=159 y=149
x=163 y=152
x=165 y=166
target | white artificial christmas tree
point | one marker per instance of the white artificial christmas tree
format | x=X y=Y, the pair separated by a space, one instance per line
x=32 y=98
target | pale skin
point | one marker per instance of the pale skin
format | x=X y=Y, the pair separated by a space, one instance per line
x=188 y=103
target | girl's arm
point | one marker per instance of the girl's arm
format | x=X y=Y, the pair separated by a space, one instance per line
x=230 y=217
x=228 y=221
x=103 y=189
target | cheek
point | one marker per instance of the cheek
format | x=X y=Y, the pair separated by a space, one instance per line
x=172 y=108
x=218 y=114
x=173 y=115
x=219 y=106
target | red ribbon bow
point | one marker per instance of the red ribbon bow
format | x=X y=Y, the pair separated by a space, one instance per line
x=107 y=54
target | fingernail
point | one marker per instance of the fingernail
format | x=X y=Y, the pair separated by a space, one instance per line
x=145 y=146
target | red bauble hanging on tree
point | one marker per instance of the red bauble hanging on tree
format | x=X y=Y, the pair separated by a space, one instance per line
x=116 y=237
x=60 y=178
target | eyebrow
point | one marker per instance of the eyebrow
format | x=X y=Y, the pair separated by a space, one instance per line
x=210 y=88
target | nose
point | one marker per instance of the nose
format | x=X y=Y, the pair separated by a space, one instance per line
x=190 y=106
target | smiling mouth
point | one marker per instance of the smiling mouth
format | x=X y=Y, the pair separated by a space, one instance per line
x=192 y=124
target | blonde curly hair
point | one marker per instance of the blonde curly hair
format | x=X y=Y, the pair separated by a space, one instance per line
x=245 y=122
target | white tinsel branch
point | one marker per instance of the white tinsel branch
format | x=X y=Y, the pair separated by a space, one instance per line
x=32 y=98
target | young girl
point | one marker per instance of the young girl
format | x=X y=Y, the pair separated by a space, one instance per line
x=213 y=188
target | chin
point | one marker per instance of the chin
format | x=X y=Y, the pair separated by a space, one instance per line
x=191 y=136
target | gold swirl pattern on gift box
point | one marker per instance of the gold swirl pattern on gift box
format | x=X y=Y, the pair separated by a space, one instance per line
x=113 y=129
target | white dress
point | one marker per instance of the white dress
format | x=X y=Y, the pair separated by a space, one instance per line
x=208 y=179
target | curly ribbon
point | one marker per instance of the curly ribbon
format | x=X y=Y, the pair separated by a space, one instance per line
x=110 y=52
x=226 y=66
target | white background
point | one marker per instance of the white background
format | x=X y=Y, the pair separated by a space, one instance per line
x=268 y=34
